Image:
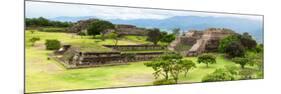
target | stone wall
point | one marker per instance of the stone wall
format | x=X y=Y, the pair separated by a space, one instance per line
x=135 y=47
x=89 y=59
x=201 y=41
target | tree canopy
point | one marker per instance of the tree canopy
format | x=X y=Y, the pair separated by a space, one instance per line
x=241 y=61
x=43 y=22
x=170 y=65
x=154 y=35
x=235 y=49
x=99 y=26
x=207 y=59
x=235 y=45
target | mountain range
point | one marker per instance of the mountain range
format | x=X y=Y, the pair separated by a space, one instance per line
x=185 y=23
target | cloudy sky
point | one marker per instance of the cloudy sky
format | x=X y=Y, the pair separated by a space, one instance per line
x=52 y=10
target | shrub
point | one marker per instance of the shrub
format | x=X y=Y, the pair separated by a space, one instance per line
x=53 y=29
x=164 y=82
x=241 y=61
x=33 y=40
x=98 y=37
x=168 y=38
x=52 y=44
x=82 y=33
x=218 y=75
x=247 y=73
x=32 y=31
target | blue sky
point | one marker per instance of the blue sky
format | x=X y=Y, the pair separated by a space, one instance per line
x=52 y=10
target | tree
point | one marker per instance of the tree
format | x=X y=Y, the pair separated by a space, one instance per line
x=247 y=41
x=161 y=65
x=113 y=35
x=52 y=44
x=43 y=22
x=218 y=75
x=207 y=59
x=187 y=65
x=235 y=49
x=33 y=40
x=241 y=61
x=168 y=38
x=227 y=40
x=99 y=26
x=178 y=66
x=259 y=48
x=236 y=45
x=176 y=31
x=154 y=35
x=172 y=64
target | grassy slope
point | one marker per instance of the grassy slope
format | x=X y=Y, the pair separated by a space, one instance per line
x=48 y=75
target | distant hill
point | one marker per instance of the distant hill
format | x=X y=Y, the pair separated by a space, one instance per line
x=185 y=23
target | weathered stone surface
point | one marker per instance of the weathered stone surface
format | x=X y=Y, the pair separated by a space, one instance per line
x=80 y=25
x=122 y=29
x=201 y=41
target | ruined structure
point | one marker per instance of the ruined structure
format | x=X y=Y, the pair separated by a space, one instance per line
x=74 y=58
x=80 y=25
x=135 y=47
x=201 y=41
x=122 y=29
x=130 y=30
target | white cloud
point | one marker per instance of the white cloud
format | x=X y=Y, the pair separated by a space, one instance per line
x=50 y=10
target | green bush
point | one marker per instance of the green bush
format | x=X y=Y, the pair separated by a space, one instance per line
x=53 y=29
x=33 y=40
x=82 y=33
x=97 y=37
x=218 y=75
x=164 y=82
x=52 y=44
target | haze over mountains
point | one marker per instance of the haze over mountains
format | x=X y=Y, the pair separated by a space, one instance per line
x=185 y=23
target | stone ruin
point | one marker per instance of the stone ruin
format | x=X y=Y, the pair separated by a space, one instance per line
x=130 y=30
x=72 y=57
x=201 y=41
x=81 y=26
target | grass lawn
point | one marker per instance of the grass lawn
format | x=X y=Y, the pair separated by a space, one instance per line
x=48 y=75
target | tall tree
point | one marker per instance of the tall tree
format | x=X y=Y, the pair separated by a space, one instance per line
x=227 y=40
x=99 y=26
x=154 y=36
x=247 y=41
x=235 y=49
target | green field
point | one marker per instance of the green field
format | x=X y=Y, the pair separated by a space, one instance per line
x=48 y=75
